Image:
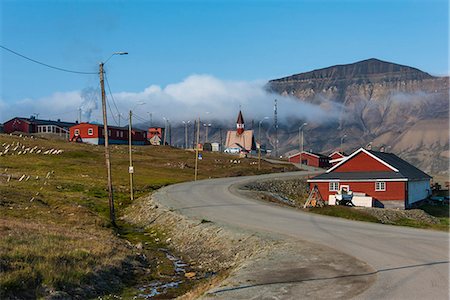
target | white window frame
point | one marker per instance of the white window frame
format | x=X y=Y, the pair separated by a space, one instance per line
x=90 y=131
x=109 y=132
x=333 y=186
x=77 y=132
x=380 y=186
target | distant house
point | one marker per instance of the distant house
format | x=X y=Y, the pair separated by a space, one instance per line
x=388 y=179
x=310 y=159
x=240 y=140
x=94 y=134
x=336 y=157
x=155 y=135
x=33 y=125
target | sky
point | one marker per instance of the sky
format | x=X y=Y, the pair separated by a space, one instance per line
x=188 y=58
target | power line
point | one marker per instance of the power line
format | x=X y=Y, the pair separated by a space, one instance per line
x=112 y=97
x=44 y=64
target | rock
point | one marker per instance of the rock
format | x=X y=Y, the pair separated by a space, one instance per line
x=189 y=275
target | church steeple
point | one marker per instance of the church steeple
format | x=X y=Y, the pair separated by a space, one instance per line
x=240 y=124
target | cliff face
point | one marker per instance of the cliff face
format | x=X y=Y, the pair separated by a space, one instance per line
x=380 y=102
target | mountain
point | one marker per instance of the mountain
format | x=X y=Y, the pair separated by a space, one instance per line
x=378 y=102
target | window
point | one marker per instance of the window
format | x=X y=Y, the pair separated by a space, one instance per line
x=109 y=132
x=117 y=133
x=77 y=131
x=90 y=131
x=121 y=134
x=334 y=186
x=380 y=186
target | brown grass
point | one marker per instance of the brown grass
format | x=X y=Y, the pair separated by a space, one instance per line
x=55 y=233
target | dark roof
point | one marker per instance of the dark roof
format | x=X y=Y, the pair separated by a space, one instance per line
x=358 y=175
x=44 y=122
x=405 y=170
x=240 y=119
x=317 y=154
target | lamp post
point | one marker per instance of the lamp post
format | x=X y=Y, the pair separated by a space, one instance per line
x=300 y=131
x=165 y=130
x=112 y=214
x=186 y=133
x=131 y=168
x=259 y=138
x=196 y=149
x=342 y=139
x=151 y=118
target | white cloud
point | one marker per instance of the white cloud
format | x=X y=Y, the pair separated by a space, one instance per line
x=185 y=100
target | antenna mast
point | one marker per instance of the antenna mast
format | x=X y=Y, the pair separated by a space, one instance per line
x=275 y=125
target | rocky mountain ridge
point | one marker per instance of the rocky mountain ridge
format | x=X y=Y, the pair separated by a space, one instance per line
x=378 y=102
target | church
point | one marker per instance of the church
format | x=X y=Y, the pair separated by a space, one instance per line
x=240 y=140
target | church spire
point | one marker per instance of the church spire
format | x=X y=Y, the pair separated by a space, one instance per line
x=240 y=123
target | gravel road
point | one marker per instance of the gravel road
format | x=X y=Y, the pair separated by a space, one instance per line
x=407 y=263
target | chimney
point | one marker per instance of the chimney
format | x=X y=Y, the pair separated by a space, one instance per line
x=369 y=146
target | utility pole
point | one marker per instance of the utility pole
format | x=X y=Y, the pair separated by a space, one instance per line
x=112 y=214
x=131 y=168
x=300 y=129
x=165 y=131
x=196 y=149
x=151 y=119
x=79 y=115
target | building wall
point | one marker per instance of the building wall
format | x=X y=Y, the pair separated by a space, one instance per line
x=395 y=190
x=16 y=125
x=362 y=163
x=116 y=135
x=310 y=160
x=418 y=190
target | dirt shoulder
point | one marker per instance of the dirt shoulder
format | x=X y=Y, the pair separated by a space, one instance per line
x=250 y=264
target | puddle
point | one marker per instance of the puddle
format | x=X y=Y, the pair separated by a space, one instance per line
x=158 y=287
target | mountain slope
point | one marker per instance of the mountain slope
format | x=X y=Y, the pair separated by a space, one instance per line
x=384 y=103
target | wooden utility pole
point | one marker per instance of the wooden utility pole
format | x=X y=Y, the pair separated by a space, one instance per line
x=196 y=149
x=112 y=214
x=131 y=168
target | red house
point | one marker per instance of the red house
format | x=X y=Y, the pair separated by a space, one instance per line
x=310 y=159
x=336 y=157
x=33 y=125
x=94 y=134
x=388 y=179
x=155 y=135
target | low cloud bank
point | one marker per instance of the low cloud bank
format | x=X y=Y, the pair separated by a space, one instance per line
x=201 y=96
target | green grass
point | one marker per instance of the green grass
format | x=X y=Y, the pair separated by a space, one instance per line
x=56 y=231
x=344 y=212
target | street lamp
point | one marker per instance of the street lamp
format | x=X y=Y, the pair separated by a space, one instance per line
x=259 y=138
x=112 y=214
x=300 y=130
x=342 y=139
x=165 y=130
x=186 y=133
x=131 y=168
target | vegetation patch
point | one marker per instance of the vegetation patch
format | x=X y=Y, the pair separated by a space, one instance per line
x=56 y=237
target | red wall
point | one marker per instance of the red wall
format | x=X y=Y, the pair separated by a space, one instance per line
x=395 y=190
x=362 y=163
x=310 y=160
x=16 y=125
x=336 y=155
x=137 y=135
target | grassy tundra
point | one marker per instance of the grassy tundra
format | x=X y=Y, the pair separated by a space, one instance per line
x=56 y=238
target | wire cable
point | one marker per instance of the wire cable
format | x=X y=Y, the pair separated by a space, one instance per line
x=46 y=65
x=112 y=97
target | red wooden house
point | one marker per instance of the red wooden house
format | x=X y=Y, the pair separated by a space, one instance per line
x=94 y=134
x=310 y=159
x=155 y=135
x=33 y=125
x=388 y=179
x=336 y=157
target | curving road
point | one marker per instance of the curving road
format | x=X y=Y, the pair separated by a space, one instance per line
x=409 y=263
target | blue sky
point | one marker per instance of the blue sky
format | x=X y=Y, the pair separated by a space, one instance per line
x=168 y=41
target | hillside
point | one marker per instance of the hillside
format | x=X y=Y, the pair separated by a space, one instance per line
x=56 y=236
x=388 y=104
